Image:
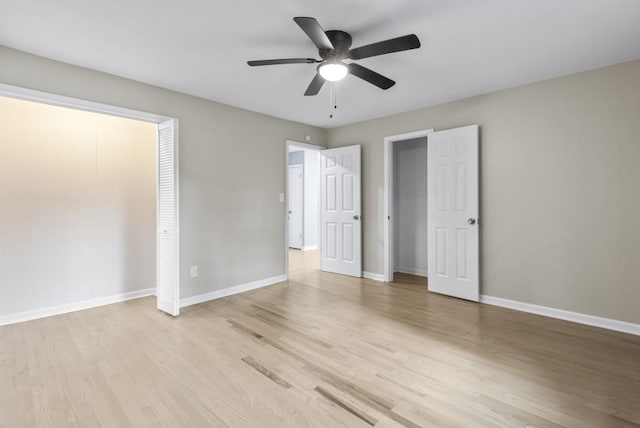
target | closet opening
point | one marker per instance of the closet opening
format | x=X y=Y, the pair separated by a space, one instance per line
x=91 y=205
x=406 y=240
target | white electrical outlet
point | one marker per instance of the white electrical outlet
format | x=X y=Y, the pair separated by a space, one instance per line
x=281 y=197
x=194 y=271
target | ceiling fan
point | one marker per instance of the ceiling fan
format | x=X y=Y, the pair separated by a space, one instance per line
x=334 y=47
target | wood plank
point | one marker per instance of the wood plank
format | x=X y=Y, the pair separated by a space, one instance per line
x=319 y=350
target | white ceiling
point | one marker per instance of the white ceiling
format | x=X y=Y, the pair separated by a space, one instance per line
x=200 y=47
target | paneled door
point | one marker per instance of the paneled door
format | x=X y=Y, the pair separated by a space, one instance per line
x=452 y=209
x=295 y=215
x=167 y=258
x=341 y=240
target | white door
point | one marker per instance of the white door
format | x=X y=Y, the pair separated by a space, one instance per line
x=167 y=245
x=452 y=209
x=296 y=205
x=341 y=247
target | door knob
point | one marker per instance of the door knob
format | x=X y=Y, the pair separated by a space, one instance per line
x=356 y=217
x=471 y=221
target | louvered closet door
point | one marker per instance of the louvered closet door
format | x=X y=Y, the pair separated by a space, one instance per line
x=167 y=261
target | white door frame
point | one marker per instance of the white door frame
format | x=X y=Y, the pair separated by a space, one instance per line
x=388 y=196
x=80 y=104
x=317 y=148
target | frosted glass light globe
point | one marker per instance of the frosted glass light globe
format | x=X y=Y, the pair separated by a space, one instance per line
x=333 y=71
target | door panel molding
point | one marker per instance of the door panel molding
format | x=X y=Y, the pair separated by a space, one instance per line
x=341 y=224
x=453 y=208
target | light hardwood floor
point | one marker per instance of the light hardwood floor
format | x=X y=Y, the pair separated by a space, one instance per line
x=321 y=350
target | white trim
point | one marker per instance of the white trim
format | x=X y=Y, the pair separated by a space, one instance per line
x=309 y=248
x=78 y=104
x=373 y=276
x=230 y=291
x=411 y=271
x=592 y=320
x=288 y=143
x=409 y=135
x=388 y=196
x=304 y=145
x=73 y=307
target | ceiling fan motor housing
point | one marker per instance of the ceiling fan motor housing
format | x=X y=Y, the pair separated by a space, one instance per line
x=341 y=42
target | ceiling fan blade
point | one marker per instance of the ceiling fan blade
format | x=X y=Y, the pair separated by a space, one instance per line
x=283 y=61
x=315 y=32
x=398 y=44
x=315 y=85
x=370 y=76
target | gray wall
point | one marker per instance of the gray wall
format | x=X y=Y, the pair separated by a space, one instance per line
x=560 y=198
x=232 y=169
x=410 y=206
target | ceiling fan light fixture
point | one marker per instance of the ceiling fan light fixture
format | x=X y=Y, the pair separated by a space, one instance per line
x=333 y=71
x=334 y=46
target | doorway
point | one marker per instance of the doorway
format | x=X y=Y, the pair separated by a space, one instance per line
x=452 y=207
x=166 y=275
x=302 y=202
x=410 y=207
x=392 y=147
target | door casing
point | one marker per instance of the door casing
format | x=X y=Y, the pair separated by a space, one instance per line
x=285 y=195
x=389 y=215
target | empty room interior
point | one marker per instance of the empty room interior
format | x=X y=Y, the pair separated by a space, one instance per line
x=328 y=214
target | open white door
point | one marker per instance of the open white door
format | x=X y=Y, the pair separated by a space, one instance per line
x=341 y=241
x=452 y=208
x=167 y=258
x=296 y=205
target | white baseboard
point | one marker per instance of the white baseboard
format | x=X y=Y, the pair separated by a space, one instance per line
x=410 y=271
x=229 y=291
x=374 y=276
x=75 y=306
x=611 y=324
x=309 y=248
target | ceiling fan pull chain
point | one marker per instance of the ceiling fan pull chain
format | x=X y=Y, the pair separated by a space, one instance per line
x=331 y=96
x=335 y=99
x=333 y=104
